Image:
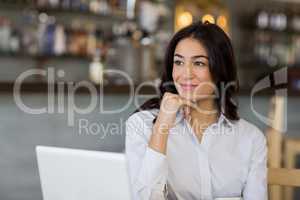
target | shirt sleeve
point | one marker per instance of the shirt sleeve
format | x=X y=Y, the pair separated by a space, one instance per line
x=147 y=168
x=256 y=185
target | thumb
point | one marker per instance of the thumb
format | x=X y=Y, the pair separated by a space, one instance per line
x=186 y=111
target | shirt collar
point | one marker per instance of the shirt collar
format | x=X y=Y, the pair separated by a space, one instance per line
x=180 y=117
x=224 y=119
x=221 y=120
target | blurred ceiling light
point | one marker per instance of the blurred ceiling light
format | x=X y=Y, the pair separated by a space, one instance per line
x=208 y=18
x=184 y=19
x=222 y=21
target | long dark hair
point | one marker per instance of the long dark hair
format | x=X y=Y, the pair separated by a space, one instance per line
x=222 y=66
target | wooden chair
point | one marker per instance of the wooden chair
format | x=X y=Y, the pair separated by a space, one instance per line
x=291 y=150
x=275 y=142
x=284 y=177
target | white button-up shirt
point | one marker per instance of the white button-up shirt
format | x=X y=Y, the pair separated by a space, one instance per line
x=230 y=161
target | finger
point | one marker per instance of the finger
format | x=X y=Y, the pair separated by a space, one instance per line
x=186 y=110
x=189 y=103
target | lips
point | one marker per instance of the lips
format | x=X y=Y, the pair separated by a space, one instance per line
x=188 y=86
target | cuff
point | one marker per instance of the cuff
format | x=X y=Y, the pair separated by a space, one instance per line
x=154 y=169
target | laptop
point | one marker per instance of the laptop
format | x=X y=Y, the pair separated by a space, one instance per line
x=73 y=174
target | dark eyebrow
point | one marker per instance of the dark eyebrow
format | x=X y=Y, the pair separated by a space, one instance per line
x=200 y=56
x=193 y=57
x=180 y=56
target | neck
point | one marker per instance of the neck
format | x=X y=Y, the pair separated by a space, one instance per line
x=204 y=115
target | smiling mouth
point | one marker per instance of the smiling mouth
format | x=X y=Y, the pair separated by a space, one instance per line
x=188 y=87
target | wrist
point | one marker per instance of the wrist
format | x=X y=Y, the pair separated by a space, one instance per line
x=161 y=127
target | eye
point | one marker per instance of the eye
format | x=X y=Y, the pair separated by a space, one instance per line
x=178 y=62
x=199 y=63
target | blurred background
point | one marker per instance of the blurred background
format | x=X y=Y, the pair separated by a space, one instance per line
x=73 y=41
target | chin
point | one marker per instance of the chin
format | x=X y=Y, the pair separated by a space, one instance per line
x=188 y=96
x=195 y=97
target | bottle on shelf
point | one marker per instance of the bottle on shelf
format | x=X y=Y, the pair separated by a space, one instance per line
x=104 y=7
x=42 y=3
x=76 y=4
x=49 y=39
x=14 y=41
x=66 y=4
x=295 y=23
x=84 y=6
x=5 y=32
x=54 y=3
x=94 y=6
x=278 y=21
x=59 y=40
x=30 y=34
x=262 y=19
x=91 y=40
x=77 y=39
x=96 y=69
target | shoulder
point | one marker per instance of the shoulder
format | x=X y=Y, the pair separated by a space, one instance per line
x=142 y=117
x=250 y=131
x=141 y=123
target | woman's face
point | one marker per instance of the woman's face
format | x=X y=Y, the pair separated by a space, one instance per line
x=191 y=73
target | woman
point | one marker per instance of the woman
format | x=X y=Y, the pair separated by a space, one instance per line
x=190 y=142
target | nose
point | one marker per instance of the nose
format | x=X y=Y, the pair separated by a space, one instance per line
x=188 y=72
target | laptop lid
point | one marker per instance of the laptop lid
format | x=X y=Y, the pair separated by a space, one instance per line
x=73 y=174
